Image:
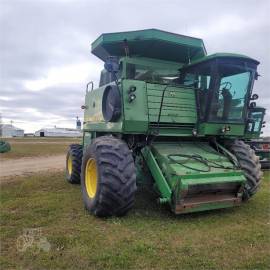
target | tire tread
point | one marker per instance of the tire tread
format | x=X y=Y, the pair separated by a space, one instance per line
x=117 y=177
x=250 y=165
x=76 y=152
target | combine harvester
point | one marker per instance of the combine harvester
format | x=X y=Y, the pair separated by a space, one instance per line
x=4 y=146
x=166 y=109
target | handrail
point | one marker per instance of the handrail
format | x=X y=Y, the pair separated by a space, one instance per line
x=91 y=82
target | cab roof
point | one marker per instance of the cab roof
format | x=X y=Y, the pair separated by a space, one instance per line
x=223 y=55
x=150 y=43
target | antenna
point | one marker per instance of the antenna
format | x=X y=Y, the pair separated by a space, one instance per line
x=78 y=123
x=126 y=48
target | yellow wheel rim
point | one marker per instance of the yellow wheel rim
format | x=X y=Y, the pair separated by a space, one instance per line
x=69 y=165
x=91 y=177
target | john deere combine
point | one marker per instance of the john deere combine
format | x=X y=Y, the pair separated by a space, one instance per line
x=165 y=108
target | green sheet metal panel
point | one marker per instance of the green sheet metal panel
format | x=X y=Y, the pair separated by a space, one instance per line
x=93 y=104
x=156 y=171
x=136 y=112
x=93 y=117
x=152 y=43
x=216 y=129
x=107 y=127
x=179 y=104
x=175 y=171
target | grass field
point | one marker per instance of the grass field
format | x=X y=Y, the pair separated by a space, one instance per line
x=36 y=146
x=149 y=237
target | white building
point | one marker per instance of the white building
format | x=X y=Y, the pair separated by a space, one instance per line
x=8 y=131
x=58 y=132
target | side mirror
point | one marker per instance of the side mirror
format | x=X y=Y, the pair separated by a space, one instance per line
x=254 y=97
x=257 y=75
x=252 y=105
x=112 y=64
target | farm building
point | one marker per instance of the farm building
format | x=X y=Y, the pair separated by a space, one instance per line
x=8 y=131
x=58 y=132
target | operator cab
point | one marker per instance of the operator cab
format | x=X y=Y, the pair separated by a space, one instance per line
x=255 y=122
x=224 y=84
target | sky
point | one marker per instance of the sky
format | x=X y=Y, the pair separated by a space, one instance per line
x=45 y=48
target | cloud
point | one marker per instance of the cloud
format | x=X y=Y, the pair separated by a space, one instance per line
x=45 y=59
x=68 y=74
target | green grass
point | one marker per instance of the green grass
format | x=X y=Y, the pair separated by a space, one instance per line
x=149 y=237
x=33 y=147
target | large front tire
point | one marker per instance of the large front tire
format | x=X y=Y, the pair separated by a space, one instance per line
x=250 y=165
x=108 y=177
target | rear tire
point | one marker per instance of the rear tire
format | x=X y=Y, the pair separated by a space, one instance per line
x=250 y=165
x=73 y=163
x=108 y=177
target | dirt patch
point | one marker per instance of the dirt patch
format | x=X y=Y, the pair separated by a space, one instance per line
x=21 y=166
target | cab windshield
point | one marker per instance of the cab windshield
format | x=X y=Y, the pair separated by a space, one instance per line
x=223 y=88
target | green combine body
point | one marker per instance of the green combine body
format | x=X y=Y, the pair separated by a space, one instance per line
x=165 y=108
x=4 y=146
